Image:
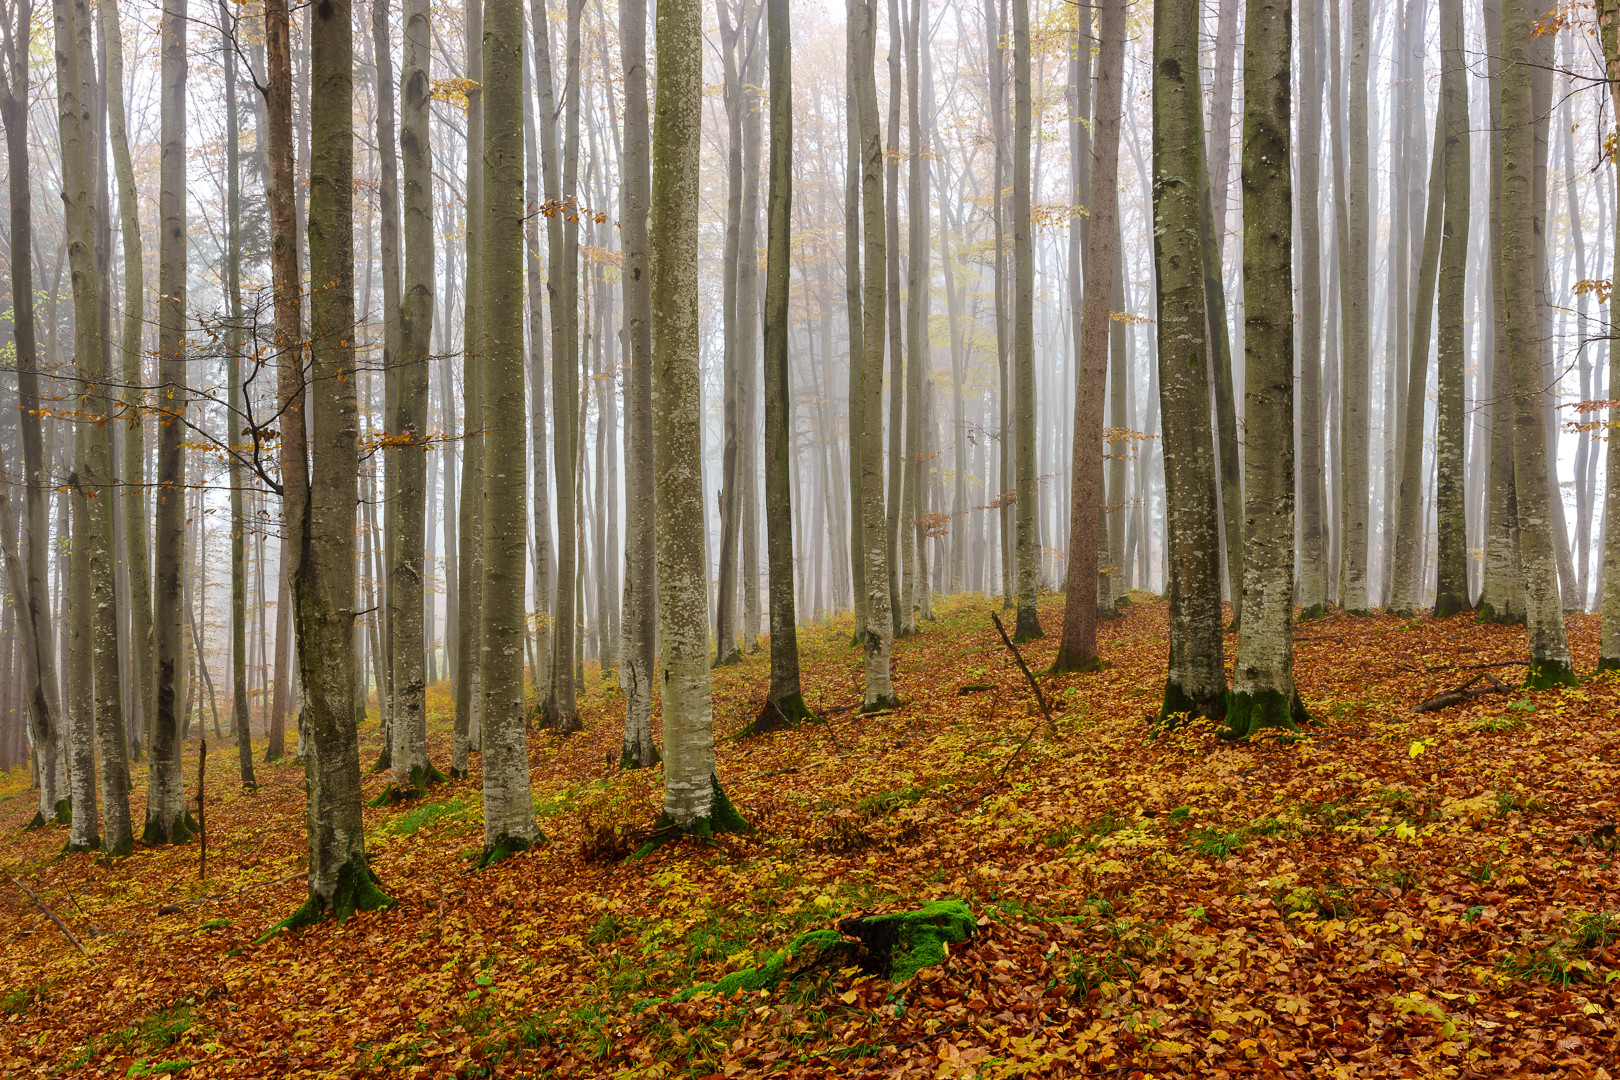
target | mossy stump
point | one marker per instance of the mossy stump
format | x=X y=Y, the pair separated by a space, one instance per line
x=627 y=760
x=357 y=889
x=804 y=952
x=898 y=946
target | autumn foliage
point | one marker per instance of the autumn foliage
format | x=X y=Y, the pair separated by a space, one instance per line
x=1394 y=893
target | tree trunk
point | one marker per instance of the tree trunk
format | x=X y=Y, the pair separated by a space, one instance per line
x=1197 y=679
x=235 y=414
x=409 y=767
x=540 y=512
x=1078 y=649
x=470 y=512
x=785 y=694
x=134 y=496
x=1263 y=693
x=509 y=824
x=1502 y=595
x=1309 y=470
x=878 y=632
x=693 y=801
x=1451 y=574
x=1549 y=650
x=1609 y=586
x=1406 y=592
x=853 y=316
x=640 y=600
x=1354 y=495
x=1028 y=537
x=166 y=818
x=393 y=371
x=323 y=580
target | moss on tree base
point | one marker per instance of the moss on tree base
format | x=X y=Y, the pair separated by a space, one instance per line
x=178 y=833
x=784 y=715
x=1179 y=706
x=1547 y=674
x=1315 y=611
x=62 y=814
x=558 y=722
x=416 y=785
x=627 y=760
x=881 y=704
x=902 y=944
x=1065 y=663
x=1486 y=613
x=357 y=889
x=505 y=846
x=384 y=762
x=1608 y=663
x=735 y=656
x=70 y=848
x=723 y=818
x=1447 y=606
x=127 y=847
x=1248 y=713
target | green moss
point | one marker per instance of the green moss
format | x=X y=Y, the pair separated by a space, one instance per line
x=1486 y=613
x=1315 y=611
x=1248 y=713
x=1178 y=703
x=416 y=785
x=127 y=847
x=782 y=715
x=882 y=704
x=504 y=847
x=627 y=760
x=735 y=656
x=808 y=945
x=1065 y=663
x=1447 y=606
x=723 y=818
x=384 y=762
x=64 y=811
x=357 y=889
x=902 y=944
x=1608 y=663
x=1547 y=674
x=178 y=833
x=72 y=848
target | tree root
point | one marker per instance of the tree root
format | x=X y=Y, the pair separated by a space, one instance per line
x=1447 y=698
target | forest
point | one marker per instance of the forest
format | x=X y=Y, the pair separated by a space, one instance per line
x=924 y=539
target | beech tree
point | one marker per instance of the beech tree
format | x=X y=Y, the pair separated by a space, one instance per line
x=1196 y=684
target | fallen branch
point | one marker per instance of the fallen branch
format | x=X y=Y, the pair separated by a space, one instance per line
x=1457 y=694
x=60 y=925
x=1040 y=699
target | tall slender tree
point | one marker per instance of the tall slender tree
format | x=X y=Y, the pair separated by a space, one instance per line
x=640 y=600
x=1311 y=466
x=409 y=767
x=1078 y=649
x=470 y=517
x=693 y=799
x=32 y=590
x=340 y=879
x=1196 y=683
x=1549 y=649
x=1451 y=574
x=509 y=824
x=235 y=412
x=878 y=632
x=1028 y=625
x=1263 y=693
x=166 y=817
x=1354 y=495
x=786 y=698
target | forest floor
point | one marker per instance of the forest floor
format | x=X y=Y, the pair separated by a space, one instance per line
x=1395 y=894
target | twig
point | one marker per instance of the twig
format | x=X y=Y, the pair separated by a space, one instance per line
x=202 y=822
x=1040 y=699
x=1447 y=698
x=60 y=925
